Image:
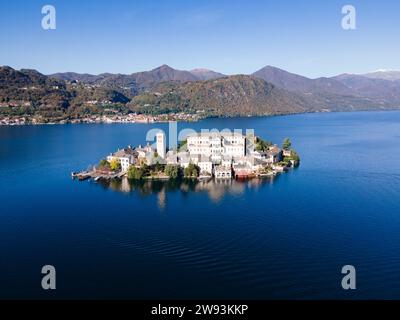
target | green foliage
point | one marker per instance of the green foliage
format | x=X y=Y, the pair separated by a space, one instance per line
x=262 y=145
x=145 y=169
x=287 y=144
x=283 y=163
x=191 y=171
x=266 y=169
x=104 y=164
x=172 y=171
x=159 y=167
x=293 y=157
x=115 y=165
x=135 y=173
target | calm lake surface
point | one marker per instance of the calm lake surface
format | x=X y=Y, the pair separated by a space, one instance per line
x=281 y=239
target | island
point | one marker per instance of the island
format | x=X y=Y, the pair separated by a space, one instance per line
x=205 y=155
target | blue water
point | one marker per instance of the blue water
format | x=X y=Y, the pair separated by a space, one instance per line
x=281 y=239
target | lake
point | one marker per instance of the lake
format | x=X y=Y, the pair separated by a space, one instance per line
x=282 y=238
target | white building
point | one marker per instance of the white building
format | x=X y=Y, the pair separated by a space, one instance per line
x=217 y=145
x=185 y=158
x=223 y=172
x=126 y=158
x=205 y=167
x=161 y=145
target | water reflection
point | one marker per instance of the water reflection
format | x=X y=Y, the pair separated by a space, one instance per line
x=215 y=189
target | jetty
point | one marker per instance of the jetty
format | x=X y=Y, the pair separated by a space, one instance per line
x=96 y=175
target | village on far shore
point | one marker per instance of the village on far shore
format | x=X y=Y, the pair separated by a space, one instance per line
x=219 y=155
x=110 y=118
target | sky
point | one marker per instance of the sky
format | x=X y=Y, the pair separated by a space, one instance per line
x=229 y=36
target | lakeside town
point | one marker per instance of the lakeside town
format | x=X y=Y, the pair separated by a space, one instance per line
x=219 y=155
x=104 y=119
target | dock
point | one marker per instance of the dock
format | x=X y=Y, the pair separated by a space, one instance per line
x=96 y=175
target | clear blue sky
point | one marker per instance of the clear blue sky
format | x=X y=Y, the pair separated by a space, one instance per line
x=230 y=36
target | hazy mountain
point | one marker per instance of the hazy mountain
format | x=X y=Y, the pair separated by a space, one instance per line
x=206 y=74
x=297 y=83
x=385 y=90
x=391 y=75
x=357 y=92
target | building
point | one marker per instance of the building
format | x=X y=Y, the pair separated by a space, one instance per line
x=126 y=157
x=217 y=145
x=206 y=167
x=223 y=172
x=287 y=153
x=221 y=154
x=185 y=158
x=242 y=171
x=161 y=145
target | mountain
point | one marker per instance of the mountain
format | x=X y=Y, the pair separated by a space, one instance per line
x=206 y=74
x=230 y=96
x=131 y=84
x=363 y=86
x=84 y=77
x=268 y=91
x=30 y=88
x=30 y=92
x=354 y=91
x=390 y=75
x=162 y=74
x=300 y=84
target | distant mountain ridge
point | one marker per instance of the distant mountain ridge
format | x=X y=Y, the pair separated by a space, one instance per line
x=138 y=82
x=206 y=74
x=297 y=83
x=157 y=75
x=381 y=87
x=391 y=75
x=229 y=96
x=268 y=91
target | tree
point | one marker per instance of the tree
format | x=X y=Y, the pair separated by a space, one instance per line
x=135 y=173
x=295 y=156
x=287 y=144
x=172 y=171
x=191 y=171
x=104 y=164
x=262 y=145
x=145 y=169
x=115 y=165
x=158 y=167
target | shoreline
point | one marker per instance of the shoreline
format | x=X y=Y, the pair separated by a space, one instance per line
x=104 y=122
x=167 y=179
